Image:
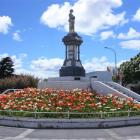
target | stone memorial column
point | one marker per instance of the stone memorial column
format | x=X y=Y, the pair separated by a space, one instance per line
x=72 y=64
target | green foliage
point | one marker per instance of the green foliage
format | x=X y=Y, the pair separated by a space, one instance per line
x=131 y=70
x=18 y=82
x=6 y=67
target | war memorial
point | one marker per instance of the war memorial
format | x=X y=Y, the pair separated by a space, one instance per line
x=54 y=103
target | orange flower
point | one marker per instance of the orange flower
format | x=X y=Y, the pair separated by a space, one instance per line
x=137 y=106
x=54 y=100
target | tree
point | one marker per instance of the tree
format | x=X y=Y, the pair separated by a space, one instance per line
x=6 y=67
x=131 y=70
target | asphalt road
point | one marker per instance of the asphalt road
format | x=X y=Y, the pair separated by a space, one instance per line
x=124 y=133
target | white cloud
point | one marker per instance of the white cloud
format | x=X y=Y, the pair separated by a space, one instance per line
x=98 y=64
x=16 y=36
x=41 y=67
x=136 y=17
x=56 y=15
x=44 y=67
x=91 y=15
x=18 y=60
x=132 y=34
x=131 y=44
x=47 y=64
x=5 y=23
x=107 y=34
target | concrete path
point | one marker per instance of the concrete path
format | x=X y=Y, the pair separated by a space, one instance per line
x=123 y=133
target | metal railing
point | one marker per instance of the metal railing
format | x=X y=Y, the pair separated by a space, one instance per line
x=10 y=90
x=68 y=115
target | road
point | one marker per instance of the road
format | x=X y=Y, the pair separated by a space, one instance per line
x=123 y=133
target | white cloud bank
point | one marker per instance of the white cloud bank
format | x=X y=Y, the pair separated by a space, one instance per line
x=44 y=67
x=136 y=17
x=16 y=36
x=91 y=15
x=97 y=64
x=107 y=34
x=47 y=64
x=5 y=23
x=131 y=44
x=132 y=34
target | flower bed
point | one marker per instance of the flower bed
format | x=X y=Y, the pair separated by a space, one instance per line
x=49 y=100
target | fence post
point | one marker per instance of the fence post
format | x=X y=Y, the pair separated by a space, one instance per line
x=101 y=115
x=68 y=114
x=10 y=113
x=128 y=113
x=35 y=115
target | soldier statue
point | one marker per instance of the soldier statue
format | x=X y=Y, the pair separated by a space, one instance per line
x=71 y=21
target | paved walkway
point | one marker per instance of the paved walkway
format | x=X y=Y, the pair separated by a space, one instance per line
x=124 y=133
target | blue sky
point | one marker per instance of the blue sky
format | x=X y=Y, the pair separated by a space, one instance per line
x=31 y=33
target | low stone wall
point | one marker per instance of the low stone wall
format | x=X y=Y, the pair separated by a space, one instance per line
x=69 y=123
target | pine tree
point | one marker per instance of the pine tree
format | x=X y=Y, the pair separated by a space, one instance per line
x=6 y=67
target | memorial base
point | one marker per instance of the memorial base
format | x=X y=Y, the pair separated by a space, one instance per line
x=66 y=83
x=71 y=71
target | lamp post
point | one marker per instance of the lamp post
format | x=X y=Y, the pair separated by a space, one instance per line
x=115 y=58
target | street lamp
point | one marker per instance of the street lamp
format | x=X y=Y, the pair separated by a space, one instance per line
x=114 y=56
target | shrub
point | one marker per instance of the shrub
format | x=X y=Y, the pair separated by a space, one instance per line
x=18 y=82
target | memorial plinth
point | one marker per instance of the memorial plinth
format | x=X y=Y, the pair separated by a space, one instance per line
x=67 y=83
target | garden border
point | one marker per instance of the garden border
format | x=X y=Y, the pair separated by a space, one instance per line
x=68 y=123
